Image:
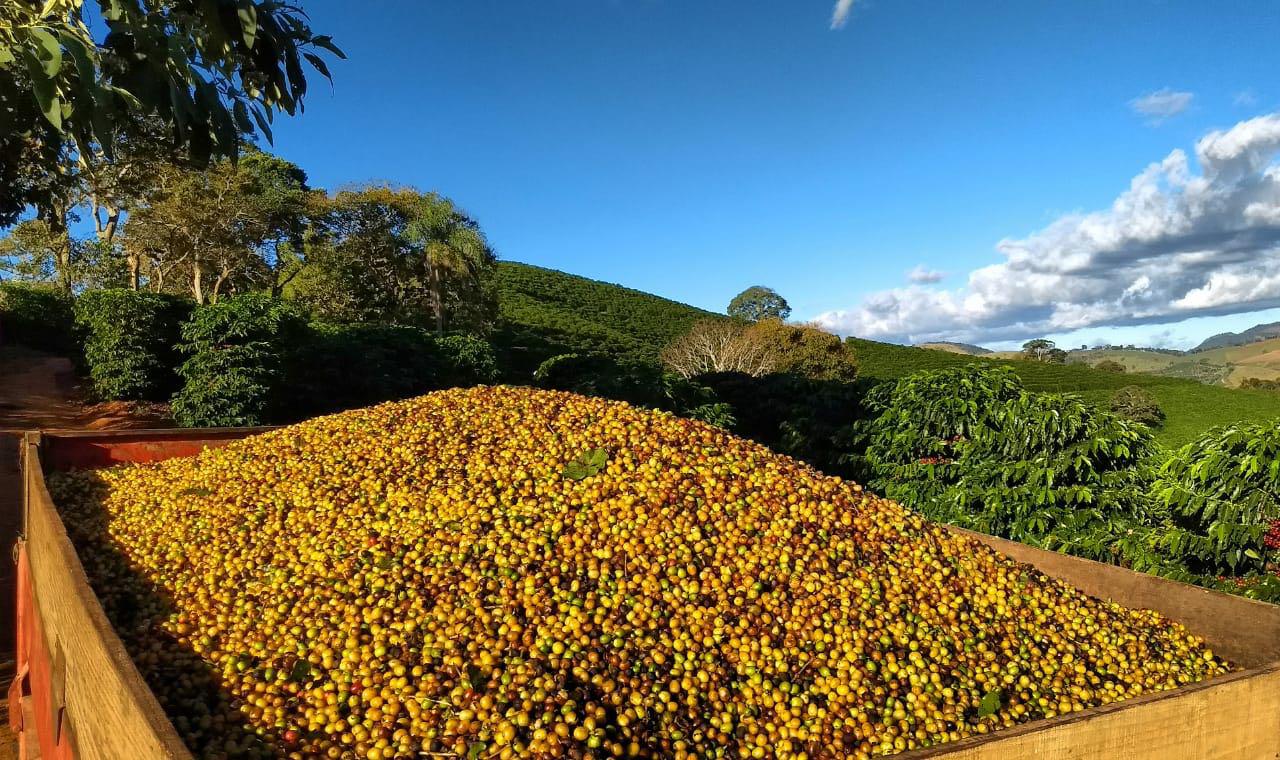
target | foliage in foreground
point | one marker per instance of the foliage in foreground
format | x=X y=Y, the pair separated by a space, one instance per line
x=971 y=447
x=1223 y=495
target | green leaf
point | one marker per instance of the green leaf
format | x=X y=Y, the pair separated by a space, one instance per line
x=597 y=458
x=326 y=42
x=262 y=124
x=576 y=470
x=46 y=93
x=242 y=117
x=48 y=51
x=475 y=678
x=248 y=14
x=300 y=671
x=319 y=64
x=476 y=749
x=990 y=703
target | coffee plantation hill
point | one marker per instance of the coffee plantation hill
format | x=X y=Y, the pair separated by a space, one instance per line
x=545 y=313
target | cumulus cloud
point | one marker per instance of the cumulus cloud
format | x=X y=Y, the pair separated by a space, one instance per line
x=1178 y=242
x=1161 y=105
x=923 y=275
x=840 y=14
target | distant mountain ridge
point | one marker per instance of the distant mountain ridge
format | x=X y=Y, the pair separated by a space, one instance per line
x=955 y=347
x=1242 y=338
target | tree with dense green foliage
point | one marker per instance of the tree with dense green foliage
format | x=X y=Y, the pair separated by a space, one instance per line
x=1137 y=404
x=1110 y=365
x=397 y=256
x=1223 y=494
x=394 y=362
x=130 y=342
x=758 y=302
x=970 y=446
x=235 y=369
x=1043 y=350
x=210 y=71
x=222 y=229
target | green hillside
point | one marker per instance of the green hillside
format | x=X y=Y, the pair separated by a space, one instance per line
x=545 y=312
x=1191 y=407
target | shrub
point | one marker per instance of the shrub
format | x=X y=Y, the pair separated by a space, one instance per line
x=130 y=342
x=337 y=367
x=1137 y=404
x=465 y=360
x=596 y=375
x=1223 y=494
x=1110 y=365
x=1257 y=383
x=36 y=316
x=804 y=350
x=971 y=447
x=795 y=415
x=234 y=370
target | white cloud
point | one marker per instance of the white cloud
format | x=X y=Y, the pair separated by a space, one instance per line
x=1245 y=98
x=923 y=275
x=1161 y=105
x=1175 y=244
x=840 y=14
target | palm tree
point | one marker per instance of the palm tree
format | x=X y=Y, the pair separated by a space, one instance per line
x=452 y=245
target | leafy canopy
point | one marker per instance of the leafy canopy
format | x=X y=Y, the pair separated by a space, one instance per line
x=758 y=302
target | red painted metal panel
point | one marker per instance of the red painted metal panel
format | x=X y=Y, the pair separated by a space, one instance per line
x=36 y=673
x=78 y=451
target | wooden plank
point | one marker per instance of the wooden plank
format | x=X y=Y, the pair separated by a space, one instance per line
x=1232 y=718
x=109 y=707
x=1245 y=631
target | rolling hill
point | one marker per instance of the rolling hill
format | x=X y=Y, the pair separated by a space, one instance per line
x=967 y=349
x=1229 y=339
x=545 y=312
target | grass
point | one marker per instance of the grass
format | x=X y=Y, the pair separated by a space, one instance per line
x=1191 y=407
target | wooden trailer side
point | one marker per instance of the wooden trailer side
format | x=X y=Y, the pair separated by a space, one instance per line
x=97 y=694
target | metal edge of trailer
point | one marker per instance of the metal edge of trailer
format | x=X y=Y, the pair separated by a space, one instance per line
x=1232 y=717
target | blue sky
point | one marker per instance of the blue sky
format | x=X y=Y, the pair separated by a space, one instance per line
x=692 y=149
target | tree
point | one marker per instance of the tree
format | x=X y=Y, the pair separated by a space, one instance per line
x=452 y=246
x=398 y=256
x=805 y=350
x=1137 y=404
x=210 y=71
x=719 y=345
x=758 y=302
x=228 y=227
x=1043 y=350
